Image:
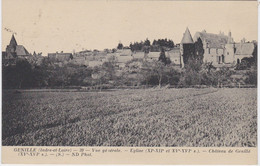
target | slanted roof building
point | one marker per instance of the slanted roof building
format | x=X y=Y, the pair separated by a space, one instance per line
x=61 y=57
x=13 y=50
x=221 y=49
x=244 y=48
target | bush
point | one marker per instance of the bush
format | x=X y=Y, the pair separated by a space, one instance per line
x=242 y=66
x=251 y=77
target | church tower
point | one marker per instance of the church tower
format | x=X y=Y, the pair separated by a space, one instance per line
x=187 y=48
x=11 y=48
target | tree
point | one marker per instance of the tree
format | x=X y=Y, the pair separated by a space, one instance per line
x=199 y=51
x=120 y=46
x=248 y=62
x=106 y=72
x=223 y=75
x=191 y=75
x=147 y=42
x=208 y=75
x=208 y=66
x=19 y=75
x=188 y=52
x=255 y=54
x=163 y=58
x=251 y=76
x=170 y=44
x=132 y=73
x=158 y=69
x=172 y=75
x=24 y=73
x=98 y=76
x=146 y=71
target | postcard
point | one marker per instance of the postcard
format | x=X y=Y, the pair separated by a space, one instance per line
x=129 y=82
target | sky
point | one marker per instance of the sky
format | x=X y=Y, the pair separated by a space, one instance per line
x=48 y=26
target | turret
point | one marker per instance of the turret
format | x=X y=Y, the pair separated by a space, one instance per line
x=230 y=39
x=187 y=48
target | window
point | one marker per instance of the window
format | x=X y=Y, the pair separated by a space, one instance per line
x=217 y=51
x=209 y=50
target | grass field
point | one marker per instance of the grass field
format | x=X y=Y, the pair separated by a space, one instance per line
x=166 y=117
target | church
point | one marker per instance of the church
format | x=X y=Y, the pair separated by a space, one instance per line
x=13 y=50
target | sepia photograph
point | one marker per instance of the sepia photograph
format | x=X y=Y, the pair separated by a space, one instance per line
x=129 y=73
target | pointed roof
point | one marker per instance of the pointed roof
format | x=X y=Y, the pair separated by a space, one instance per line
x=187 y=39
x=13 y=41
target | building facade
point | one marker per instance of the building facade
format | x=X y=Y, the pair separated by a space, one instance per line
x=219 y=49
x=214 y=46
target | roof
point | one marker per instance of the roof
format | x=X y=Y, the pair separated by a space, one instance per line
x=124 y=52
x=94 y=63
x=175 y=49
x=138 y=55
x=244 y=48
x=124 y=59
x=60 y=56
x=15 y=50
x=154 y=54
x=174 y=53
x=187 y=39
x=21 y=51
x=213 y=40
x=13 y=41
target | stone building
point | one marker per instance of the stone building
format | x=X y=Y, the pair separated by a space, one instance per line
x=214 y=46
x=60 y=57
x=175 y=56
x=235 y=52
x=219 y=49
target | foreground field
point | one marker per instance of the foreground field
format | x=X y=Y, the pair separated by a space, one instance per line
x=171 y=117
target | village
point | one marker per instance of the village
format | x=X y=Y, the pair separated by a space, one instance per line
x=220 y=49
x=216 y=51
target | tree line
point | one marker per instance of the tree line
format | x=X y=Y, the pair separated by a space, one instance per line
x=147 y=46
x=137 y=72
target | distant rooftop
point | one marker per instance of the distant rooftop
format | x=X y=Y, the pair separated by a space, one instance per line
x=213 y=40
